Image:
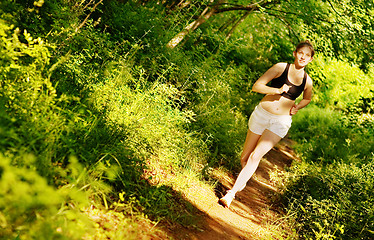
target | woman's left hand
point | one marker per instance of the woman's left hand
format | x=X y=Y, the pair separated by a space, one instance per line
x=293 y=110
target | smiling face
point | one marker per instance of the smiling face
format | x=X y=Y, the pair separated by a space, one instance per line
x=303 y=56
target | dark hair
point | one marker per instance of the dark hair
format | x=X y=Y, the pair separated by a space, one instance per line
x=305 y=43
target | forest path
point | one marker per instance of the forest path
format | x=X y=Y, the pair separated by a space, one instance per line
x=251 y=214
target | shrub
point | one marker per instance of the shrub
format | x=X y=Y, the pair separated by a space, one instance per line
x=325 y=136
x=338 y=84
x=28 y=96
x=333 y=201
x=218 y=104
x=147 y=115
x=146 y=121
x=32 y=209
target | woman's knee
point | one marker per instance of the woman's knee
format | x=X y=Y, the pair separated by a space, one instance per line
x=255 y=157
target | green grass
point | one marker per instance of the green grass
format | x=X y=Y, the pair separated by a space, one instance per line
x=329 y=193
x=333 y=201
x=105 y=118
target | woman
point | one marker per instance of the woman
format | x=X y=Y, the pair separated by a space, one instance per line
x=272 y=117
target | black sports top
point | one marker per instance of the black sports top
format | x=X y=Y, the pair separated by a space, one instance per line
x=294 y=91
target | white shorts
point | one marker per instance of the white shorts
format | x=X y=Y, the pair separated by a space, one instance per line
x=261 y=119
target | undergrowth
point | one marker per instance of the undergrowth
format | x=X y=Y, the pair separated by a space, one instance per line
x=102 y=127
x=329 y=193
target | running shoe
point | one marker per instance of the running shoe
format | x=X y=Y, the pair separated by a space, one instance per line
x=227 y=199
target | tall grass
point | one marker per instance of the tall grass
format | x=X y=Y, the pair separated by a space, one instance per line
x=94 y=132
x=331 y=202
x=329 y=194
x=103 y=117
x=327 y=136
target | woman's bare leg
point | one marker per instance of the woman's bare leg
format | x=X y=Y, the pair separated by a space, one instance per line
x=266 y=142
x=249 y=145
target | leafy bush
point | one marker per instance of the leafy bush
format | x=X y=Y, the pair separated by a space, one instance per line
x=32 y=209
x=147 y=116
x=34 y=121
x=330 y=192
x=218 y=102
x=28 y=96
x=325 y=136
x=339 y=84
x=333 y=201
x=112 y=133
x=361 y=113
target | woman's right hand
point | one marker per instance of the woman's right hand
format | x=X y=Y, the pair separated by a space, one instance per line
x=284 y=88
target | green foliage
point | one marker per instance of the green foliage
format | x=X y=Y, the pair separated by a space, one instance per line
x=111 y=132
x=32 y=209
x=341 y=29
x=141 y=27
x=255 y=36
x=325 y=136
x=218 y=108
x=130 y=22
x=28 y=96
x=331 y=202
x=34 y=121
x=338 y=84
x=348 y=21
x=361 y=113
x=147 y=116
x=329 y=193
x=99 y=102
x=36 y=17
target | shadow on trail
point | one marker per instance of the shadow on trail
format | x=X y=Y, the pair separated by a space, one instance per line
x=251 y=210
x=201 y=217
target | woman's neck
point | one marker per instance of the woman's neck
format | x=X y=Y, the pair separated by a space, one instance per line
x=297 y=68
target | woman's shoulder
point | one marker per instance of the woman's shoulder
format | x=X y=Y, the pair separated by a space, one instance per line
x=309 y=80
x=283 y=64
x=279 y=67
x=276 y=70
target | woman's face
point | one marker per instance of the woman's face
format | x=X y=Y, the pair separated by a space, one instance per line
x=303 y=56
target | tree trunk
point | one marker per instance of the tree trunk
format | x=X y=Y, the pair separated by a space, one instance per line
x=205 y=15
x=245 y=15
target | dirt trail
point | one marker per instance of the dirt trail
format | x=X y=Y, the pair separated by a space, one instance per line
x=251 y=215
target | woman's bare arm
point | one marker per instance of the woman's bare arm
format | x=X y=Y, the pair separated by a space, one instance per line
x=260 y=86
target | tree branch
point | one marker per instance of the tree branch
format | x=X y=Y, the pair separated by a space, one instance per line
x=86 y=19
x=332 y=6
x=250 y=7
x=288 y=25
x=295 y=14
